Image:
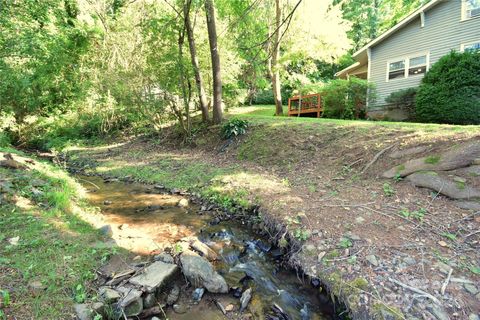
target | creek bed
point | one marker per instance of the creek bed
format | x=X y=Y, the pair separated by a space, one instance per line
x=147 y=220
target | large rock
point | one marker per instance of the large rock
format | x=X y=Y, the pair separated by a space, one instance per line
x=154 y=276
x=83 y=311
x=200 y=272
x=203 y=249
x=457 y=157
x=132 y=302
x=443 y=185
x=407 y=152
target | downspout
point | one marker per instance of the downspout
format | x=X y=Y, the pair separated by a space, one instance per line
x=369 y=67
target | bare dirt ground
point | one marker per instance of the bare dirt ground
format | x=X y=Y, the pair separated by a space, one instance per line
x=388 y=249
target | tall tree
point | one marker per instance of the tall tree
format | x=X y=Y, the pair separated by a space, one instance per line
x=275 y=56
x=196 y=67
x=216 y=70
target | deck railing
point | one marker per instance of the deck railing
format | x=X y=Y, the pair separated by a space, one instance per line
x=310 y=103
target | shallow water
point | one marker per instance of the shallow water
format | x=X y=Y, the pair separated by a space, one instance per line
x=146 y=220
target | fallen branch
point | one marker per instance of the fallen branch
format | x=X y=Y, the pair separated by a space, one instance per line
x=445 y=284
x=377 y=156
x=416 y=290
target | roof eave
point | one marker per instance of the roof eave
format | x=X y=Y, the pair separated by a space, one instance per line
x=398 y=26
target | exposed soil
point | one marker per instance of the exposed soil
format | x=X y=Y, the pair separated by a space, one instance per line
x=360 y=227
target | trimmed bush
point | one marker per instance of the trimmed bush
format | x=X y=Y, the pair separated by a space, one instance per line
x=403 y=99
x=450 y=91
x=346 y=99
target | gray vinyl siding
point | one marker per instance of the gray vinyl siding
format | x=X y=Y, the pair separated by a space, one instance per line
x=443 y=31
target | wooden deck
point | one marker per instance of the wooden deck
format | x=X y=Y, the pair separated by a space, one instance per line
x=308 y=104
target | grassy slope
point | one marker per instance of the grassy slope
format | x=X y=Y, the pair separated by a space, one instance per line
x=55 y=249
x=291 y=167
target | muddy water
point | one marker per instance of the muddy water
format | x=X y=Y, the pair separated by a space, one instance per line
x=145 y=220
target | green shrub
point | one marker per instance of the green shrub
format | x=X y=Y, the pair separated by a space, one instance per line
x=450 y=91
x=266 y=96
x=234 y=127
x=403 y=99
x=346 y=99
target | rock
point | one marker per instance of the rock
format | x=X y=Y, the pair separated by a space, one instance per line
x=309 y=248
x=198 y=294
x=470 y=288
x=321 y=255
x=107 y=202
x=200 y=272
x=155 y=318
x=98 y=308
x=245 y=299
x=359 y=220
x=134 y=308
x=179 y=308
x=164 y=257
x=220 y=307
x=438 y=312
x=183 y=203
x=159 y=187
x=372 y=259
x=13 y=241
x=473 y=317
x=443 y=185
x=407 y=152
x=154 y=276
x=230 y=308
x=409 y=261
x=173 y=295
x=444 y=268
x=442 y=243
x=468 y=205
x=37 y=285
x=108 y=295
x=130 y=296
x=106 y=230
x=457 y=157
x=233 y=278
x=149 y=300
x=203 y=249
x=83 y=311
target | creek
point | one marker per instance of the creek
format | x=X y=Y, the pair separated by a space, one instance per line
x=146 y=220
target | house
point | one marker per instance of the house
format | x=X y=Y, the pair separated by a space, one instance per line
x=399 y=58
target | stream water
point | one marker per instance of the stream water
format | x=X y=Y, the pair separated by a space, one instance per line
x=146 y=219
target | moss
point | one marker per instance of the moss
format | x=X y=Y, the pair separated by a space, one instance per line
x=382 y=311
x=432 y=159
x=359 y=283
x=400 y=168
x=460 y=185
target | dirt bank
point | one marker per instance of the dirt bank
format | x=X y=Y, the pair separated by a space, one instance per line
x=389 y=249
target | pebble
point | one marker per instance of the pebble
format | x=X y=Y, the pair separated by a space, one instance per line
x=83 y=311
x=372 y=259
x=473 y=316
x=359 y=220
x=164 y=257
x=198 y=294
x=409 y=261
x=321 y=255
x=470 y=288
x=442 y=243
x=229 y=308
x=106 y=230
x=179 y=308
x=183 y=203
x=107 y=202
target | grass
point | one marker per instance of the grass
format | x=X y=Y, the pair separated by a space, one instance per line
x=55 y=252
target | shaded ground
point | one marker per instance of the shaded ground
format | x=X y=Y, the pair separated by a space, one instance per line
x=383 y=237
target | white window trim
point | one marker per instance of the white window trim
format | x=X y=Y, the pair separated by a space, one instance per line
x=464 y=12
x=407 y=65
x=422 y=19
x=463 y=45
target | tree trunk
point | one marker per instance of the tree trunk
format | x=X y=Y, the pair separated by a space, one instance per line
x=217 y=78
x=182 y=79
x=275 y=72
x=196 y=68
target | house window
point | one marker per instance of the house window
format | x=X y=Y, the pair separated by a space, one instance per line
x=396 y=69
x=417 y=65
x=471 y=46
x=471 y=8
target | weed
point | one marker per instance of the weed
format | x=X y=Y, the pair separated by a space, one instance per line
x=352 y=260
x=312 y=188
x=460 y=185
x=301 y=235
x=397 y=177
x=388 y=189
x=283 y=243
x=449 y=236
x=345 y=243
x=474 y=269
x=177 y=248
x=234 y=127
x=417 y=214
x=80 y=293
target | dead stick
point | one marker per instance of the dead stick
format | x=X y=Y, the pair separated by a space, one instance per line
x=378 y=155
x=416 y=290
x=445 y=284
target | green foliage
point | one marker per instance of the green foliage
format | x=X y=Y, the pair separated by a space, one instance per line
x=450 y=91
x=388 y=189
x=403 y=99
x=417 y=214
x=449 y=236
x=345 y=243
x=234 y=127
x=432 y=159
x=301 y=235
x=346 y=99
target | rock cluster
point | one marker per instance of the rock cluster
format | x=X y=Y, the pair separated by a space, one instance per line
x=142 y=290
